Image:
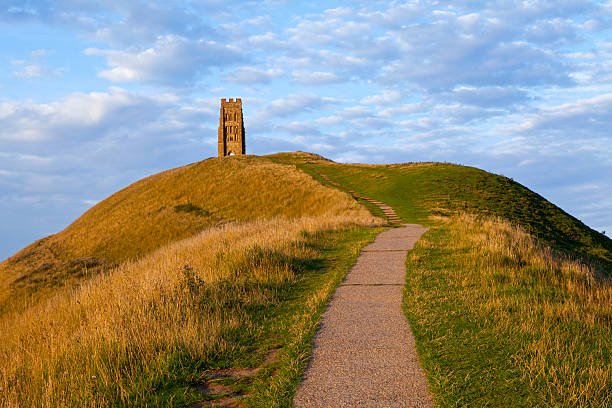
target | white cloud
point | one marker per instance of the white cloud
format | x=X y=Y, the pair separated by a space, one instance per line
x=587 y=118
x=249 y=75
x=550 y=31
x=488 y=96
x=329 y=120
x=259 y=21
x=41 y=53
x=407 y=109
x=30 y=71
x=268 y=41
x=356 y=112
x=386 y=97
x=316 y=78
x=34 y=67
x=76 y=115
x=295 y=104
x=91 y=202
x=37 y=71
x=342 y=12
x=173 y=60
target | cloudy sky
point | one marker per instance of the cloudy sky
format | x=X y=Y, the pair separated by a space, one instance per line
x=95 y=95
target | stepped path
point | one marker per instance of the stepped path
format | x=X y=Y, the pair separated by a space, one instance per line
x=364 y=352
x=387 y=210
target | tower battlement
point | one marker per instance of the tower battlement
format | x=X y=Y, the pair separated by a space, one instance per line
x=231 y=101
x=231 y=134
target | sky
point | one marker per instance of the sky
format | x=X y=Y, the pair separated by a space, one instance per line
x=95 y=95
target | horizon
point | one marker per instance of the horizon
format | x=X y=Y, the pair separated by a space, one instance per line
x=94 y=97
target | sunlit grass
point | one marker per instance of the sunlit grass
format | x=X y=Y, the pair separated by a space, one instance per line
x=503 y=320
x=161 y=209
x=212 y=264
x=131 y=303
x=141 y=333
x=418 y=190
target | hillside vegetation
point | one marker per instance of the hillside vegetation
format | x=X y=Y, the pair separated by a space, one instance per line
x=502 y=320
x=150 y=332
x=418 y=190
x=207 y=282
x=163 y=208
x=266 y=246
x=509 y=297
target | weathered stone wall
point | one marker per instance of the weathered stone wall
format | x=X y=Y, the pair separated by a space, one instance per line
x=231 y=132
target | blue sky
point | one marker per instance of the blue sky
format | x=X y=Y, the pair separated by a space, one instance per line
x=95 y=95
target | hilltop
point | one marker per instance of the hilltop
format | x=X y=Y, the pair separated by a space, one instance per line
x=419 y=190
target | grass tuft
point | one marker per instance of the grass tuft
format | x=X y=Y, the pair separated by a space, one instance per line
x=191 y=208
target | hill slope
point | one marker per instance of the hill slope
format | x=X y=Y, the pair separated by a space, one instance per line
x=418 y=190
x=500 y=318
x=164 y=208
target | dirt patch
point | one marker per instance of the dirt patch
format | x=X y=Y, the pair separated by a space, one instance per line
x=211 y=388
x=226 y=397
x=270 y=358
x=225 y=403
x=220 y=403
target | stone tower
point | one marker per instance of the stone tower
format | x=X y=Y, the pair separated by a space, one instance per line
x=231 y=128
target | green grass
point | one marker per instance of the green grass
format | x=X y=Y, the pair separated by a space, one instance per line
x=501 y=321
x=290 y=325
x=511 y=308
x=418 y=190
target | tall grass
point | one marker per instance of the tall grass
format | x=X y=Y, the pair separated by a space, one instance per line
x=160 y=209
x=503 y=320
x=123 y=338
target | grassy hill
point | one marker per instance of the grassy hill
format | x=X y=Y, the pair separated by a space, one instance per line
x=418 y=190
x=207 y=282
x=211 y=266
x=509 y=297
x=161 y=209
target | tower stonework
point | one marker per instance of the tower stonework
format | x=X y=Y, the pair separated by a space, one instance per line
x=231 y=128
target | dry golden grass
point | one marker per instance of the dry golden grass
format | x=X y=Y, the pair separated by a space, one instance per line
x=105 y=342
x=160 y=209
x=505 y=320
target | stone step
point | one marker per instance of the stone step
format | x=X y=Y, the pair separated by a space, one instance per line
x=386 y=209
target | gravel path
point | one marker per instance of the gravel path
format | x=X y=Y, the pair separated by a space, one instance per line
x=364 y=353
